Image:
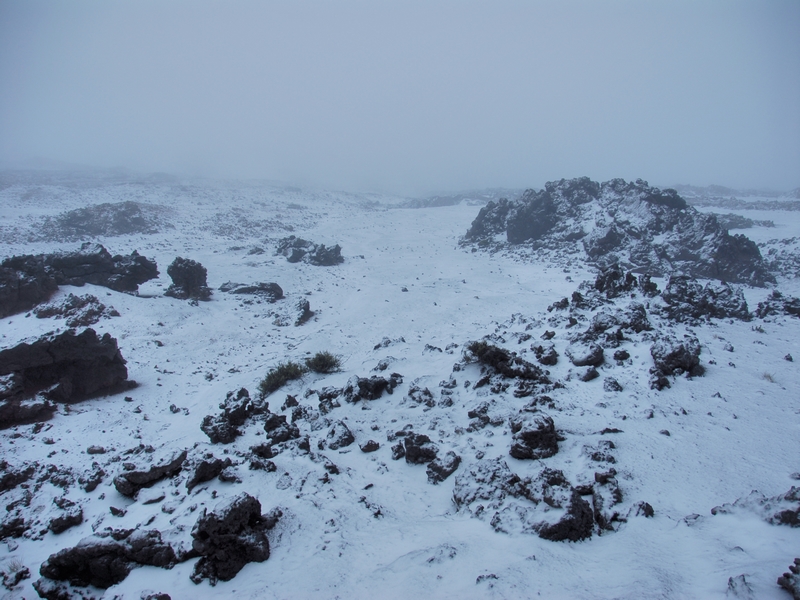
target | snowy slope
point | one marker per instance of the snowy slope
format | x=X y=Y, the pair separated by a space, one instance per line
x=734 y=430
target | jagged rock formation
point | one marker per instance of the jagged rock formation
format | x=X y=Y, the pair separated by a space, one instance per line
x=631 y=223
x=231 y=536
x=297 y=249
x=778 y=304
x=790 y=581
x=672 y=356
x=687 y=300
x=28 y=280
x=72 y=365
x=236 y=409
x=188 y=280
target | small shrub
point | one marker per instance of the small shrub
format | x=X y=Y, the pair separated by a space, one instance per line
x=324 y=362
x=280 y=376
x=477 y=349
x=769 y=377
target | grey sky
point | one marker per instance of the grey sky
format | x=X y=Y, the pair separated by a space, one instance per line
x=408 y=96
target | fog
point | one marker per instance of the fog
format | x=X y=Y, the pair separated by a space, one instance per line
x=408 y=97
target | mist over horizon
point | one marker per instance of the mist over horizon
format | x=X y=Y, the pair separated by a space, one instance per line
x=413 y=98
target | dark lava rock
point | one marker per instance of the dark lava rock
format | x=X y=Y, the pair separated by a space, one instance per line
x=778 y=304
x=297 y=249
x=107 y=558
x=237 y=407
x=546 y=355
x=188 y=280
x=689 y=301
x=77 y=366
x=11 y=477
x=398 y=451
x=91 y=478
x=205 y=469
x=442 y=467
x=80 y=311
x=585 y=355
x=621 y=355
x=674 y=357
x=303 y=312
x=370 y=446
x=533 y=436
x=340 y=436
x=278 y=430
x=128 y=483
x=505 y=363
x=372 y=388
x=419 y=449
x=72 y=515
x=271 y=292
x=589 y=375
x=611 y=385
x=791 y=581
x=21 y=290
x=228 y=538
x=633 y=317
x=628 y=222
x=28 y=280
x=576 y=524
x=421 y=395
x=614 y=282
x=18 y=411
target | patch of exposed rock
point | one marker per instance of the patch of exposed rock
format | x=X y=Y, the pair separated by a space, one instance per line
x=533 y=436
x=106 y=220
x=237 y=407
x=778 y=304
x=783 y=509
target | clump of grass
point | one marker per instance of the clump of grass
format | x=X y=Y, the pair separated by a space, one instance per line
x=324 y=362
x=769 y=377
x=280 y=376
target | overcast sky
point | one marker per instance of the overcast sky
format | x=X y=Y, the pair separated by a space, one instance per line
x=408 y=96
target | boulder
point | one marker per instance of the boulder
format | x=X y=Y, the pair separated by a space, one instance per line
x=533 y=436
x=107 y=558
x=79 y=311
x=791 y=581
x=228 y=538
x=442 y=467
x=778 y=304
x=72 y=365
x=419 y=449
x=585 y=354
x=689 y=301
x=188 y=280
x=205 y=469
x=372 y=388
x=128 y=483
x=672 y=356
x=339 y=436
x=271 y=292
x=237 y=407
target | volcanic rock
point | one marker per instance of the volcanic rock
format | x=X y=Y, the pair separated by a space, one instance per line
x=188 y=280
x=75 y=365
x=128 y=483
x=297 y=249
x=228 y=538
x=533 y=436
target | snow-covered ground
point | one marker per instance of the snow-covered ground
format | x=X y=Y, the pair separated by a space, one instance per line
x=405 y=278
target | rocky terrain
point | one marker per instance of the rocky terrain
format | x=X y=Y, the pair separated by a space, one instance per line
x=586 y=391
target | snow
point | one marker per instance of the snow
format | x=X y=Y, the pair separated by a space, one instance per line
x=740 y=430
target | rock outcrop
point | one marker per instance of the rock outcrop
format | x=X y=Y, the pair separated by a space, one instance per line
x=188 y=280
x=296 y=249
x=630 y=223
x=231 y=536
x=28 y=280
x=68 y=366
